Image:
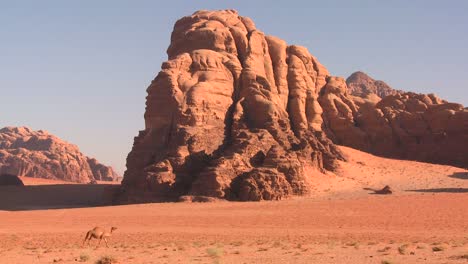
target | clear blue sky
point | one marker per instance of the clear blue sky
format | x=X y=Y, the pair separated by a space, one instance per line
x=79 y=69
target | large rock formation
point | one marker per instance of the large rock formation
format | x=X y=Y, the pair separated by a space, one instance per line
x=38 y=154
x=402 y=125
x=233 y=114
x=238 y=115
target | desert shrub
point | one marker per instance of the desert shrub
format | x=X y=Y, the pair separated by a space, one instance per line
x=106 y=260
x=84 y=258
x=214 y=252
x=402 y=249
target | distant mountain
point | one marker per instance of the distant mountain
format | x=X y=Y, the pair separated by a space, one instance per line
x=38 y=154
x=360 y=84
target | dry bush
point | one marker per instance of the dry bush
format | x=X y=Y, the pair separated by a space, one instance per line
x=107 y=260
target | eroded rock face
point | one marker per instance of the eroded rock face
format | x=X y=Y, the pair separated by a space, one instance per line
x=38 y=154
x=238 y=115
x=233 y=114
x=403 y=125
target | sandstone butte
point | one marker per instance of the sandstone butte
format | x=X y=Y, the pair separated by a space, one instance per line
x=238 y=115
x=38 y=154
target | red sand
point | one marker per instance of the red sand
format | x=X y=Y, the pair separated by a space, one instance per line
x=340 y=223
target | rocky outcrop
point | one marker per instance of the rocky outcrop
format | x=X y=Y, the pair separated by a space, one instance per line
x=238 y=115
x=233 y=114
x=404 y=125
x=38 y=154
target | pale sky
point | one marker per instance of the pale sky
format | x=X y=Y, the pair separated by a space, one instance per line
x=79 y=69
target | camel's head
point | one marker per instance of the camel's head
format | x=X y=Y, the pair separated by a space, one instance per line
x=113 y=229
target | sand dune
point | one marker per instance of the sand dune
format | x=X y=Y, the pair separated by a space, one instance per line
x=364 y=170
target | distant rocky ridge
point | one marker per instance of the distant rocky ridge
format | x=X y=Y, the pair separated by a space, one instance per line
x=38 y=154
x=238 y=115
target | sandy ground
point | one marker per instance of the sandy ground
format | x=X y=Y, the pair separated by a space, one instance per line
x=425 y=221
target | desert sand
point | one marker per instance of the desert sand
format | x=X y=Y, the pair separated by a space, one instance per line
x=424 y=221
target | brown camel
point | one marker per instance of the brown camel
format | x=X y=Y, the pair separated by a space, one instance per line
x=98 y=233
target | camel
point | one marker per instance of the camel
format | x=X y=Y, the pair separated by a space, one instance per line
x=98 y=233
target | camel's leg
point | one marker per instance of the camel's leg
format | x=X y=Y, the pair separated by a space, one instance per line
x=99 y=243
x=105 y=240
x=86 y=238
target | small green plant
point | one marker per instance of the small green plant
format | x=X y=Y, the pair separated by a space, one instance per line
x=84 y=258
x=385 y=262
x=106 y=260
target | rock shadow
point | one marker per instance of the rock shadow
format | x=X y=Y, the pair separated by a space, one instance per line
x=441 y=190
x=56 y=196
x=459 y=175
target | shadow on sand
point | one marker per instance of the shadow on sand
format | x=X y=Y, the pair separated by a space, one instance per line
x=441 y=190
x=57 y=196
x=460 y=175
x=376 y=191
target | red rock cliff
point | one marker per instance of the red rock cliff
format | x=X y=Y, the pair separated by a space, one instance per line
x=239 y=115
x=233 y=114
x=401 y=125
